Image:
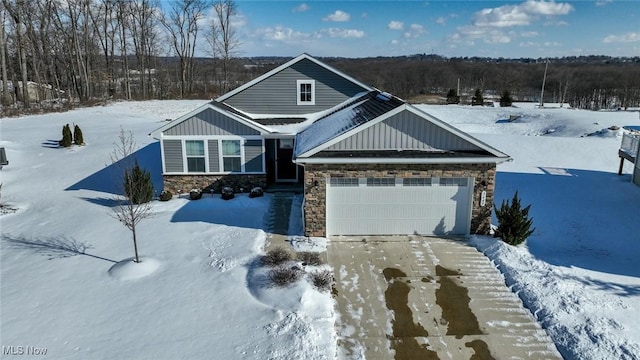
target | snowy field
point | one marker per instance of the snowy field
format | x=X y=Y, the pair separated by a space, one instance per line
x=578 y=273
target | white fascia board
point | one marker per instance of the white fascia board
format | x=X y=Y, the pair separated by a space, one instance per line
x=353 y=131
x=469 y=160
x=157 y=134
x=434 y=120
x=284 y=66
x=280 y=136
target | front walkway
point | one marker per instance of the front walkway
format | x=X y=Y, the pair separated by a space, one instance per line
x=411 y=297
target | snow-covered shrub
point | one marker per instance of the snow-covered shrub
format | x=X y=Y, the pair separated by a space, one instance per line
x=284 y=274
x=322 y=279
x=138 y=186
x=514 y=224
x=195 y=194
x=78 y=139
x=276 y=256
x=256 y=192
x=309 y=258
x=166 y=195
x=67 y=138
x=227 y=193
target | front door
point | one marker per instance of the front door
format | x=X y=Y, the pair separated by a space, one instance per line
x=286 y=170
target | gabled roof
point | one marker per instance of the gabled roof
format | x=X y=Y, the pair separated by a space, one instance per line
x=289 y=63
x=213 y=105
x=358 y=111
x=369 y=110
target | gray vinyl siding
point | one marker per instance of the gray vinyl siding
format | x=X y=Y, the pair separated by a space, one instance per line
x=404 y=131
x=210 y=122
x=278 y=93
x=214 y=156
x=253 y=153
x=173 y=156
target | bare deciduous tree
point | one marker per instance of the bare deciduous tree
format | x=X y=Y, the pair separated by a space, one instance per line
x=181 y=22
x=222 y=38
x=127 y=211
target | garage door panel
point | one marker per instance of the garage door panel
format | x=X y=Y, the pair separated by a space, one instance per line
x=385 y=210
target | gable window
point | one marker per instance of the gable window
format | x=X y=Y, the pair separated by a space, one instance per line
x=231 y=156
x=306 y=92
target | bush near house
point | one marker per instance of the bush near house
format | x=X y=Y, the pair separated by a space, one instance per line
x=284 y=275
x=227 y=193
x=195 y=194
x=514 y=224
x=276 y=256
x=166 y=195
x=309 y=258
x=322 y=280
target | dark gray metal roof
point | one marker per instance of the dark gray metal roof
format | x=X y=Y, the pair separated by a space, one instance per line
x=352 y=114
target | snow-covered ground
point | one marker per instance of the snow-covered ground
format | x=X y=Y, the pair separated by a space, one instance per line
x=62 y=291
x=578 y=273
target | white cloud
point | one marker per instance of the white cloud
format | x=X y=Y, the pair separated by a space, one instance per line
x=415 y=30
x=487 y=23
x=549 y=8
x=395 y=25
x=281 y=33
x=343 y=33
x=301 y=8
x=441 y=20
x=603 y=2
x=337 y=16
x=521 y=14
x=395 y=42
x=624 y=38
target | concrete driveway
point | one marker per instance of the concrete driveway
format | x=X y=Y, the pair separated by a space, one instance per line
x=412 y=297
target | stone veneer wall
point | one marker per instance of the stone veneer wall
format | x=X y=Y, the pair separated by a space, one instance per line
x=185 y=183
x=315 y=196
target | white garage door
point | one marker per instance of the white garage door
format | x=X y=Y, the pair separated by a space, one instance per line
x=393 y=206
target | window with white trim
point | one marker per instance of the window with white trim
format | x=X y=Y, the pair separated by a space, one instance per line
x=195 y=155
x=306 y=92
x=231 y=156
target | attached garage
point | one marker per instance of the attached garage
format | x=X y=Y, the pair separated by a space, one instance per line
x=380 y=166
x=398 y=206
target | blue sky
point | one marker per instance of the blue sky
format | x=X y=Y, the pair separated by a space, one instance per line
x=510 y=29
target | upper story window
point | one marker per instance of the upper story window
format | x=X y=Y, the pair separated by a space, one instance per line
x=306 y=92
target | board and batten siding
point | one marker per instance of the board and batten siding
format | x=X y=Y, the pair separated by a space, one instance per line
x=278 y=93
x=214 y=156
x=210 y=122
x=173 y=161
x=253 y=151
x=404 y=131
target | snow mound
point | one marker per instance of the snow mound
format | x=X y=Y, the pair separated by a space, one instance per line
x=131 y=270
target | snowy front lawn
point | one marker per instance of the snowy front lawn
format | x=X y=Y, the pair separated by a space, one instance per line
x=58 y=291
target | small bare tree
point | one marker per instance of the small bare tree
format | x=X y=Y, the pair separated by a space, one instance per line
x=129 y=187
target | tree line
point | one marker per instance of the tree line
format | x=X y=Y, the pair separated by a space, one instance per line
x=87 y=50
x=84 y=51
x=585 y=83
